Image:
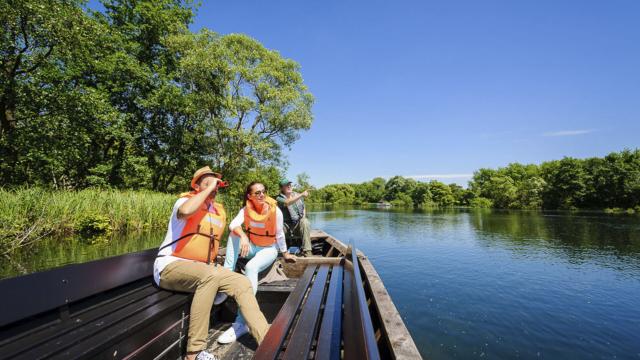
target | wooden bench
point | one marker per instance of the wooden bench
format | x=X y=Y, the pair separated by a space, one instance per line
x=102 y=309
x=325 y=317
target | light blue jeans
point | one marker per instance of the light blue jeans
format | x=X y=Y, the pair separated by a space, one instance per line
x=261 y=258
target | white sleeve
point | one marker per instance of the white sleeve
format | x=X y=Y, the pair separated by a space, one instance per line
x=237 y=221
x=176 y=206
x=282 y=244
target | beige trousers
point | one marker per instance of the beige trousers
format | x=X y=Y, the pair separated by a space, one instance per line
x=204 y=281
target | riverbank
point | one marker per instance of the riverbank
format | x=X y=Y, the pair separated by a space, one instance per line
x=29 y=215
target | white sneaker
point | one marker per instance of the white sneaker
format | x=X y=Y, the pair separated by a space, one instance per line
x=220 y=298
x=233 y=333
x=203 y=355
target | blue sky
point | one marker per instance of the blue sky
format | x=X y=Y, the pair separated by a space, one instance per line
x=443 y=88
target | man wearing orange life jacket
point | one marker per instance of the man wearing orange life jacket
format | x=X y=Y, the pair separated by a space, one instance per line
x=186 y=262
x=262 y=238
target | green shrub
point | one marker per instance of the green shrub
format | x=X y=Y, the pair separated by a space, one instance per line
x=481 y=203
x=93 y=225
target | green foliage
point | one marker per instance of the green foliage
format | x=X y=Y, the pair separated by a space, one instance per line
x=481 y=203
x=130 y=98
x=595 y=183
x=612 y=182
x=422 y=196
x=240 y=103
x=233 y=196
x=441 y=193
x=399 y=191
x=340 y=194
x=398 y=186
x=302 y=182
x=566 y=180
x=29 y=214
x=402 y=200
x=93 y=227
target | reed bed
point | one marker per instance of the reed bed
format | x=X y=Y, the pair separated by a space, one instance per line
x=29 y=214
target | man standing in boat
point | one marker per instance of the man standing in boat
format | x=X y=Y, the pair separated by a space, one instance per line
x=186 y=262
x=295 y=216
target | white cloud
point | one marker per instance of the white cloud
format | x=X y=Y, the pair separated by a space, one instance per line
x=568 y=132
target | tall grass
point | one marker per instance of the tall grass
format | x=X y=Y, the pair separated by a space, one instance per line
x=29 y=214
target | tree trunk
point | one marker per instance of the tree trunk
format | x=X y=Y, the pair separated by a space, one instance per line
x=7 y=111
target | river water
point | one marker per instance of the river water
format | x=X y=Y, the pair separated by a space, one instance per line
x=474 y=284
x=505 y=284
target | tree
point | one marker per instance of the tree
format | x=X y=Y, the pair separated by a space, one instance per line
x=154 y=127
x=302 y=182
x=624 y=178
x=370 y=191
x=441 y=193
x=129 y=97
x=421 y=195
x=458 y=193
x=339 y=194
x=565 y=184
x=33 y=33
x=397 y=187
x=249 y=100
x=53 y=116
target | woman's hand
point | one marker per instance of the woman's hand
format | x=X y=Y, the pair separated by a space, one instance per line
x=244 y=246
x=289 y=257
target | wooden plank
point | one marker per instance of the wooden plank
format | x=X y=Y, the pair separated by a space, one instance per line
x=161 y=343
x=270 y=346
x=294 y=270
x=317 y=234
x=159 y=337
x=357 y=324
x=331 y=328
x=279 y=286
x=395 y=331
x=331 y=252
x=39 y=292
x=302 y=335
x=339 y=245
x=29 y=340
x=129 y=334
x=89 y=329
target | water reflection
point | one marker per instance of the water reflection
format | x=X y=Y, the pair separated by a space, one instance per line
x=606 y=240
x=56 y=252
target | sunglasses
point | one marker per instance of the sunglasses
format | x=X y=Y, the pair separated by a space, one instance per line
x=260 y=192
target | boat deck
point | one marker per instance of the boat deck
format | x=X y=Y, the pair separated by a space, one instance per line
x=244 y=348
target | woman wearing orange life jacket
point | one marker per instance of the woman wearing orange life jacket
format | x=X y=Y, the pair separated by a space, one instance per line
x=186 y=262
x=260 y=241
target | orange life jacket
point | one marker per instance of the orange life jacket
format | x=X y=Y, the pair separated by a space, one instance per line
x=200 y=238
x=261 y=227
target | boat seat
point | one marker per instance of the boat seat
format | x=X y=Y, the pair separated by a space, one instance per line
x=92 y=310
x=326 y=315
